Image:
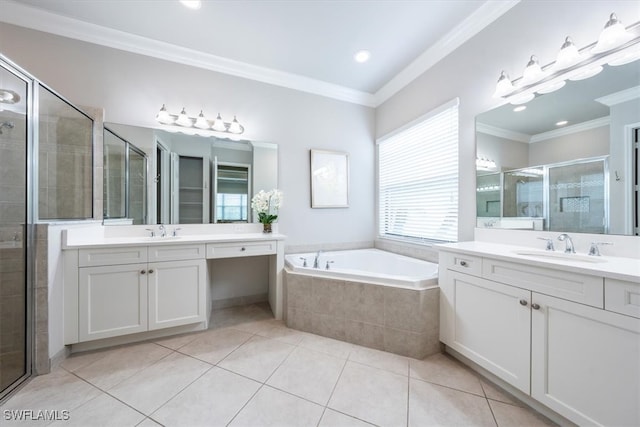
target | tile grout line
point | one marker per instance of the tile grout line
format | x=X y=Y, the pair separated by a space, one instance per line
x=495 y=420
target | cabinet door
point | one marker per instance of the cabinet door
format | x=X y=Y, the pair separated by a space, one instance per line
x=112 y=301
x=585 y=362
x=177 y=292
x=491 y=326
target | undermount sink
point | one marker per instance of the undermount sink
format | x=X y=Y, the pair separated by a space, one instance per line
x=160 y=239
x=561 y=256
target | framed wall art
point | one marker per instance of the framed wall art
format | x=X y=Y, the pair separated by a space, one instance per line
x=329 y=179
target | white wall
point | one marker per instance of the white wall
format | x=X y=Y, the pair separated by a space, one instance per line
x=624 y=118
x=471 y=72
x=507 y=153
x=132 y=88
x=579 y=145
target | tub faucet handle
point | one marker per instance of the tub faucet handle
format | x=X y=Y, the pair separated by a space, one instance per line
x=175 y=231
x=549 y=246
x=152 y=231
x=327 y=266
x=304 y=261
x=594 y=250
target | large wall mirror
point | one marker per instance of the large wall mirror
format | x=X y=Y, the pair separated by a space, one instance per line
x=567 y=162
x=190 y=179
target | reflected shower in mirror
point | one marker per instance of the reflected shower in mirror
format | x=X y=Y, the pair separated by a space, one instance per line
x=581 y=140
x=195 y=179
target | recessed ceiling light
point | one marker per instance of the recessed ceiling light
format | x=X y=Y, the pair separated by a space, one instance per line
x=362 y=56
x=8 y=96
x=520 y=108
x=562 y=123
x=192 y=4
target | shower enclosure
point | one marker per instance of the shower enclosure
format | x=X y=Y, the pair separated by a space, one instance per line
x=16 y=227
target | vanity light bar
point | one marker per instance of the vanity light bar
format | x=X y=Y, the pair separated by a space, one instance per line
x=616 y=45
x=200 y=122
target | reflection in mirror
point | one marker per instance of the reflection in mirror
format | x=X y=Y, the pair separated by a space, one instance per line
x=588 y=165
x=125 y=181
x=196 y=179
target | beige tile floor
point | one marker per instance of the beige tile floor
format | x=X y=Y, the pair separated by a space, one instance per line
x=251 y=370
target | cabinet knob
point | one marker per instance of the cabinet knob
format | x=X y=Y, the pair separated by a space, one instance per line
x=523 y=302
x=150 y=271
x=143 y=272
x=243 y=249
x=463 y=263
x=535 y=306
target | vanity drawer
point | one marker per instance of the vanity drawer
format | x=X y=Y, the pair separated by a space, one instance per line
x=176 y=252
x=622 y=297
x=112 y=256
x=464 y=263
x=231 y=250
x=575 y=287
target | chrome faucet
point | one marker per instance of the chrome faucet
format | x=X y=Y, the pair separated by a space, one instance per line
x=163 y=231
x=569 y=249
x=315 y=261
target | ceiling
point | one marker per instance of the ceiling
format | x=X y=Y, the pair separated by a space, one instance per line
x=305 y=44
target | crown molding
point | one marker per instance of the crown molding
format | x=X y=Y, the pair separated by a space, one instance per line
x=620 y=97
x=580 y=127
x=502 y=133
x=472 y=25
x=40 y=20
x=36 y=19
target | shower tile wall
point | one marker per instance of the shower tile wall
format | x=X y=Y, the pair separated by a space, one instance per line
x=64 y=157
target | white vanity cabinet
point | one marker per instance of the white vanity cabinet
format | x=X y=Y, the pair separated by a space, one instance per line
x=124 y=290
x=112 y=301
x=547 y=332
x=490 y=323
x=585 y=362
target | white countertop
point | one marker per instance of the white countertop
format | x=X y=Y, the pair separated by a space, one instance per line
x=97 y=236
x=179 y=240
x=611 y=267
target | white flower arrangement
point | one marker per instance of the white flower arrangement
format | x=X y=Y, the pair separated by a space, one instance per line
x=266 y=204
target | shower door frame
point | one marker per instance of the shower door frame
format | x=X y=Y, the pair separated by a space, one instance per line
x=29 y=237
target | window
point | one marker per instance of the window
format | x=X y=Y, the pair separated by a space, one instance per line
x=418 y=179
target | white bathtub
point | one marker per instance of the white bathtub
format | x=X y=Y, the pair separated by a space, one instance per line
x=368 y=265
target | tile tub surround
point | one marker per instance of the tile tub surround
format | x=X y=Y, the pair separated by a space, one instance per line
x=396 y=320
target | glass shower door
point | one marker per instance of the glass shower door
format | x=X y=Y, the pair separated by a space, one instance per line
x=15 y=362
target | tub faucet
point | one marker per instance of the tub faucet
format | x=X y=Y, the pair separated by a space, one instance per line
x=569 y=249
x=315 y=261
x=163 y=231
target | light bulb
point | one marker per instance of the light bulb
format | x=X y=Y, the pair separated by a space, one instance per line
x=164 y=117
x=614 y=35
x=218 y=124
x=183 y=119
x=235 y=127
x=504 y=86
x=201 y=122
x=532 y=72
x=568 y=55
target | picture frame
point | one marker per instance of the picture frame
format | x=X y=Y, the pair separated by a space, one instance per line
x=329 y=179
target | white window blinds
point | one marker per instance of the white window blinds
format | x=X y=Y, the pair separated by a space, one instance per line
x=418 y=179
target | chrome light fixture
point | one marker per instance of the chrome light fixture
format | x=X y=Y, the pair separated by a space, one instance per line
x=504 y=86
x=568 y=56
x=616 y=45
x=614 y=35
x=532 y=72
x=200 y=122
